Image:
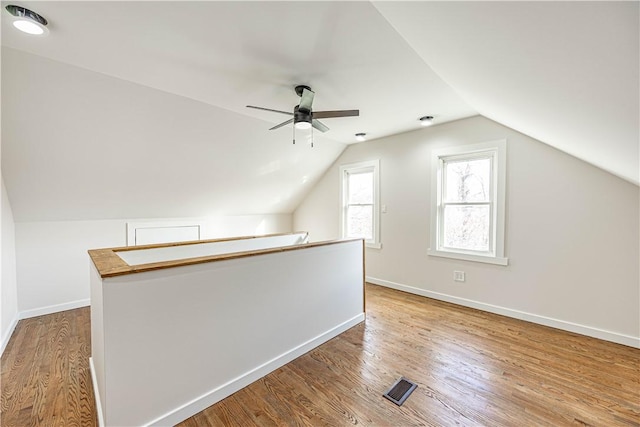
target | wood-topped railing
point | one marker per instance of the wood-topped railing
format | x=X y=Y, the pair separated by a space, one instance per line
x=110 y=264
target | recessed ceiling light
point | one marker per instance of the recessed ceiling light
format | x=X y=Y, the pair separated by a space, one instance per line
x=27 y=20
x=361 y=136
x=426 y=120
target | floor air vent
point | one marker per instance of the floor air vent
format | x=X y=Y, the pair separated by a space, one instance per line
x=399 y=392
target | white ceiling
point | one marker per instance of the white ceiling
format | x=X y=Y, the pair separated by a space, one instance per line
x=233 y=54
x=566 y=74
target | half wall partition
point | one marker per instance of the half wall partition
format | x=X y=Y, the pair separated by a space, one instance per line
x=178 y=327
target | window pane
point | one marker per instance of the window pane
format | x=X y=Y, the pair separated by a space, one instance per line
x=361 y=188
x=468 y=180
x=360 y=222
x=467 y=227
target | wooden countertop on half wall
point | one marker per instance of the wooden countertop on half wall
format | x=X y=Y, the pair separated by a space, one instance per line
x=109 y=264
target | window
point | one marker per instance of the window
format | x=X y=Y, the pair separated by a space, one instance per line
x=467 y=206
x=360 y=202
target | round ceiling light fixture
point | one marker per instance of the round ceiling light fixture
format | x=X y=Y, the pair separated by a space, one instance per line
x=426 y=120
x=302 y=125
x=27 y=20
x=361 y=136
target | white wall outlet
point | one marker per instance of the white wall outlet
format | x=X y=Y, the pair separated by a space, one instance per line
x=458 y=276
x=384 y=208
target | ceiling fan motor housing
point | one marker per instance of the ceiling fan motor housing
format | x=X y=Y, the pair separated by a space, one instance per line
x=301 y=115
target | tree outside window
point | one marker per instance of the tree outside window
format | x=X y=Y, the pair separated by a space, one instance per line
x=468 y=202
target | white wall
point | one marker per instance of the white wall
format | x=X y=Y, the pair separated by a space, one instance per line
x=53 y=265
x=8 y=287
x=571 y=232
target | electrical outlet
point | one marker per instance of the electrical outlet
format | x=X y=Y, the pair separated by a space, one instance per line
x=458 y=276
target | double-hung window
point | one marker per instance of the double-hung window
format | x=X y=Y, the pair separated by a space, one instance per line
x=468 y=203
x=360 y=202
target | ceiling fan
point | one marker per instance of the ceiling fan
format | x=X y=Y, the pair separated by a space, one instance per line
x=303 y=115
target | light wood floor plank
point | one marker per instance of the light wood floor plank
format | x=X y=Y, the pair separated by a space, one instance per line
x=472 y=368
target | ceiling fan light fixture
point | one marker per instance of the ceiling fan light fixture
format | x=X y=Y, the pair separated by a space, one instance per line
x=303 y=125
x=426 y=120
x=361 y=136
x=27 y=20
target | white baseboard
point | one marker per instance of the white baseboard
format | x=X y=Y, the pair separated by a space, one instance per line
x=530 y=317
x=201 y=403
x=54 y=308
x=7 y=336
x=96 y=393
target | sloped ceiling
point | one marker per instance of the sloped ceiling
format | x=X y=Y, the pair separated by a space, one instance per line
x=565 y=73
x=81 y=145
x=141 y=106
x=141 y=111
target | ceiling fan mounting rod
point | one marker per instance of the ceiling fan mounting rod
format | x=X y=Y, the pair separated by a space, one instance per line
x=301 y=88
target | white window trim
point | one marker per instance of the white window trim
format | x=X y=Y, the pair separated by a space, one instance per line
x=355 y=168
x=498 y=149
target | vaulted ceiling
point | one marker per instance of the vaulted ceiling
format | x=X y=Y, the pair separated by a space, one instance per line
x=138 y=109
x=565 y=73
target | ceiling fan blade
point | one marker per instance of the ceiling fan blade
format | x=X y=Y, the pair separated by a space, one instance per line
x=306 y=100
x=282 y=124
x=269 y=109
x=319 y=125
x=337 y=113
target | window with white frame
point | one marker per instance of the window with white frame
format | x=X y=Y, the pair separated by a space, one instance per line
x=360 y=202
x=468 y=202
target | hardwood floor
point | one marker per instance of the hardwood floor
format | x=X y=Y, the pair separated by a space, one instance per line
x=45 y=376
x=472 y=368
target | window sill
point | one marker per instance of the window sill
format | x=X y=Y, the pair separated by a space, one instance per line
x=373 y=245
x=469 y=257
